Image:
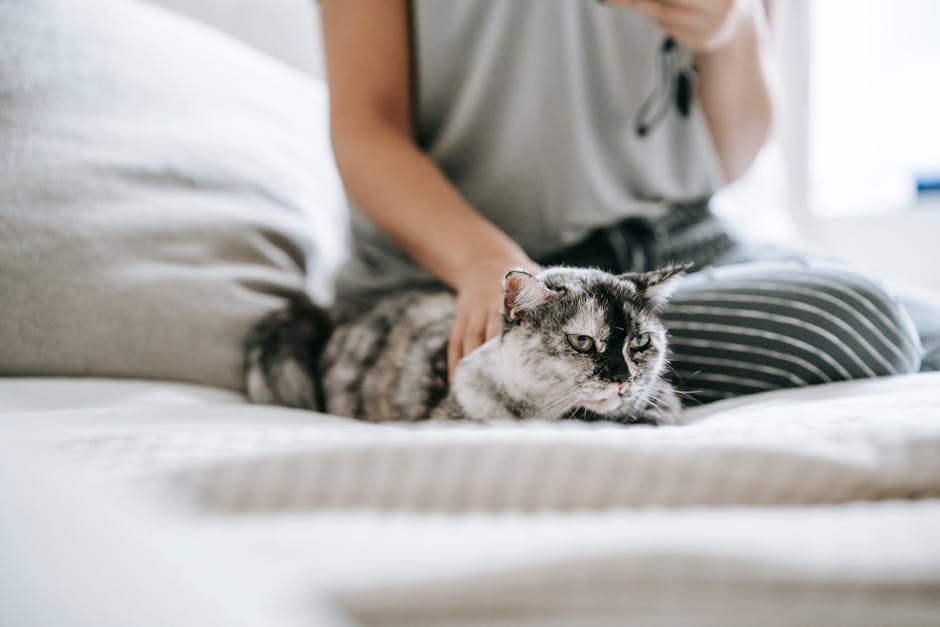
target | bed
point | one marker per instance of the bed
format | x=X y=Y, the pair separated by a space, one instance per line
x=812 y=506
x=140 y=501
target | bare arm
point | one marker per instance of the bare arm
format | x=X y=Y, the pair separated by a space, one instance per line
x=392 y=180
x=738 y=87
x=737 y=75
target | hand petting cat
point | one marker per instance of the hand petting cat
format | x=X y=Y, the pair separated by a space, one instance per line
x=479 y=306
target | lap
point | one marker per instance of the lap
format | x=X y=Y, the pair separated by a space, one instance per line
x=753 y=318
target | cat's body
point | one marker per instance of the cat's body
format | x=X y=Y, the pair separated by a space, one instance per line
x=575 y=344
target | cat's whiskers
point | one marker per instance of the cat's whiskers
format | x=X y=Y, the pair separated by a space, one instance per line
x=559 y=398
x=687 y=394
x=657 y=402
x=559 y=403
x=559 y=407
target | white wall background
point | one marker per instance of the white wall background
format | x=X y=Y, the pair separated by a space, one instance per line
x=861 y=116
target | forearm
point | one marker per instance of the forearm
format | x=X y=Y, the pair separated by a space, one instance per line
x=738 y=87
x=408 y=197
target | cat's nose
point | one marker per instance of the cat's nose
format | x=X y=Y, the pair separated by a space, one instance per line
x=621 y=377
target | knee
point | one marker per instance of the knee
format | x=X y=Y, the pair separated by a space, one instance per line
x=829 y=322
x=878 y=335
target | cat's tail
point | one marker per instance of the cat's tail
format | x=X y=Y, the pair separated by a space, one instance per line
x=282 y=352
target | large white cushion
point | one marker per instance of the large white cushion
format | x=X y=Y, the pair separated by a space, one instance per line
x=288 y=30
x=161 y=188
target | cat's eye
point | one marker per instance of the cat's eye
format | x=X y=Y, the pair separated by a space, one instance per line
x=639 y=341
x=581 y=343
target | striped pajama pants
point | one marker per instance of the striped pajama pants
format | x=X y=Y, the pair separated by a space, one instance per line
x=745 y=324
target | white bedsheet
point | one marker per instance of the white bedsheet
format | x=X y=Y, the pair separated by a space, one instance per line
x=813 y=506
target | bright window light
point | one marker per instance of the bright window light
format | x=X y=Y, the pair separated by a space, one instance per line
x=874 y=143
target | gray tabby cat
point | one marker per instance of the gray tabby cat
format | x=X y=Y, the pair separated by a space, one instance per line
x=575 y=343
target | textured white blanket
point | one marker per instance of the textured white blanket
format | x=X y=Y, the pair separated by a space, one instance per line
x=814 y=506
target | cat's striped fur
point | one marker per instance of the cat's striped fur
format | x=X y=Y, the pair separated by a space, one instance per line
x=390 y=362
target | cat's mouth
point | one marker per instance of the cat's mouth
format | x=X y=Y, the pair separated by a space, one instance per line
x=609 y=399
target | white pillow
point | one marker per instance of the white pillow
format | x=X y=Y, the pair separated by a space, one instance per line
x=288 y=30
x=161 y=188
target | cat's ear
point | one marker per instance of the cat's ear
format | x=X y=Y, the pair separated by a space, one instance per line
x=523 y=293
x=657 y=285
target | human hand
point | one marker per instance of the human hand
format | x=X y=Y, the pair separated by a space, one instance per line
x=700 y=25
x=479 y=307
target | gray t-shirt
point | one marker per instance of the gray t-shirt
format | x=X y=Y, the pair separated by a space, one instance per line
x=530 y=108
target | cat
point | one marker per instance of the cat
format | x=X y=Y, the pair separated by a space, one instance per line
x=575 y=343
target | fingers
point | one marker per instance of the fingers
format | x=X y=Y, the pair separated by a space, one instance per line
x=493 y=324
x=478 y=316
x=471 y=329
x=697 y=6
x=474 y=334
x=696 y=24
x=455 y=345
x=669 y=16
x=653 y=9
x=468 y=333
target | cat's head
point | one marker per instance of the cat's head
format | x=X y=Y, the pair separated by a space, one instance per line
x=585 y=342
